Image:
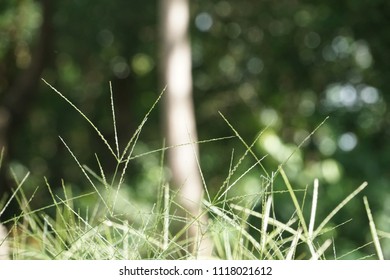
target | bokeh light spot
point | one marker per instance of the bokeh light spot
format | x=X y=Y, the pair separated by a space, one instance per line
x=204 y=21
x=347 y=141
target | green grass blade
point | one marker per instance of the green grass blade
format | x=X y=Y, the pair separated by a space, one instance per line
x=2 y=156
x=373 y=229
x=313 y=208
x=295 y=201
x=166 y=217
x=271 y=221
x=138 y=131
x=84 y=116
x=265 y=223
x=303 y=142
x=238 y=179
x=322 y=249
x=85 y=173
x=114 y=121
x=14 y=193
x=293 y=247
x=338 y=207
x=179 y=145
x=248 y=147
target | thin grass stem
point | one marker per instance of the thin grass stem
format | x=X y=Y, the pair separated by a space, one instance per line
x=15 y=192
x=84 y=116
x=114 y=120
x=85 y=173
x=249 y=148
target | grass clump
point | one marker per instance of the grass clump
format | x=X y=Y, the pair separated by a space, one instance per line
x=114 y=227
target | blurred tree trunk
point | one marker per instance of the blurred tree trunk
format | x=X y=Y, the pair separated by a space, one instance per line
x=4 y=248
x=179 y=118
x=17 y=98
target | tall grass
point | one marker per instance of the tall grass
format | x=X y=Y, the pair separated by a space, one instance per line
x=106 y=231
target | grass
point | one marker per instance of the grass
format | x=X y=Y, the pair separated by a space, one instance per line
x=103 y=231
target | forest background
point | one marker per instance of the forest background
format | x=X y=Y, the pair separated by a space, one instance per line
x=277 y=67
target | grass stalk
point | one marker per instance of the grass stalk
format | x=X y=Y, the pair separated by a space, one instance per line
x=373 y=229
x=85 y=174
x=295 y=201
x=114 y=120
x=313 y=208
x=83 y=115
x=338 y=208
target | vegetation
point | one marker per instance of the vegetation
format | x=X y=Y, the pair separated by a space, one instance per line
x=112 y=226
x=300 y=85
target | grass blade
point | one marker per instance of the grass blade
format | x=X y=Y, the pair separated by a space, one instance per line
x=295 y=201
x=337 y=209
x=293 y=247
x=322 y=249
x=83 y=115
x=166 y=217
x=14 y=193
x=138 y=131
x=114 y=121
x=249 y=148
x=85 y=173
x=313 y=208
x=373 y=229
x=265 y=223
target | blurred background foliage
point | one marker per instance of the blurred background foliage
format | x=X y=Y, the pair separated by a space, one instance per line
x=281 y=65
